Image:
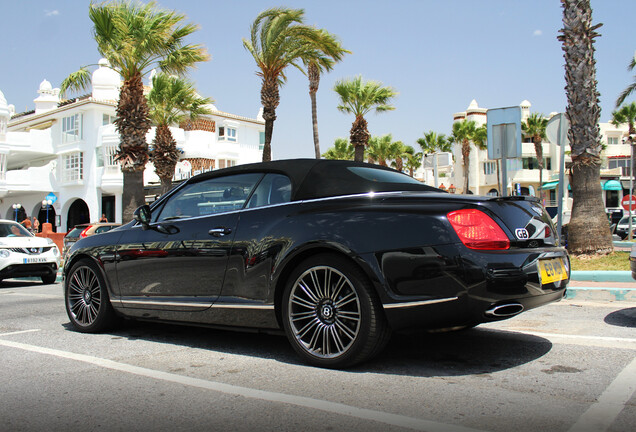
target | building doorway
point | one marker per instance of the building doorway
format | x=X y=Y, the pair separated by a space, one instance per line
x=78 y=213
x=108 y=207
x=43 y=217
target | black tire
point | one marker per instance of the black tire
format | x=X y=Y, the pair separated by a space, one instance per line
x=49 y=279
x=86 y=299
x=331 y=314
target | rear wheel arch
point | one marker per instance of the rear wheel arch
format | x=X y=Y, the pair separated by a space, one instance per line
x=292 y=263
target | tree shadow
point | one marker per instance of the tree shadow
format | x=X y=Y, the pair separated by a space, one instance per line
x=469 y=352
x=622 y=318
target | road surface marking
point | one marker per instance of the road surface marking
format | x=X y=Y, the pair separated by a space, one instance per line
x=570 y=339
x=602 y=413
x=19 y=332
x=301 y=401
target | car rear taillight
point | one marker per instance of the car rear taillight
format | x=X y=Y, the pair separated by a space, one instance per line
x=84 y=233
x=477 y=230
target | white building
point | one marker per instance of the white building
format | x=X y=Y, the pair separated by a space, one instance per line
x=524 y=173
x=67 y=148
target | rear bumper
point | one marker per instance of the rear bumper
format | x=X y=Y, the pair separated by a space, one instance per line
x=470 y=287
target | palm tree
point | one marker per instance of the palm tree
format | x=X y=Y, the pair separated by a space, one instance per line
x=630 y=88
x=413 y=162
x=626 y=114
x=279 y=39
x=432 y=142
x=171 y=101
x=135 y=39
x=341 y=150
x=464 y=132
x=321 y=60
x=359 y=97
x=381 y=149
x=588 y=230
x=401 y=152
x=534 y=127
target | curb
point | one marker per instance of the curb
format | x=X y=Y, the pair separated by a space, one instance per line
x=602 y=276
x=605 y=292
x=600 y=294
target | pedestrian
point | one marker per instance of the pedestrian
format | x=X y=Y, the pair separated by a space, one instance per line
x=103 y=218
x=26 y=223
x=36 y=225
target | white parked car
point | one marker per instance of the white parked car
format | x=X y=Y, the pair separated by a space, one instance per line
x=24 y=255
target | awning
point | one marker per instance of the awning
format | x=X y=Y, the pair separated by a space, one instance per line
x=550 y=185
x=612 y=185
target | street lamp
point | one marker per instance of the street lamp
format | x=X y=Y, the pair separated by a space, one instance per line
x=442 y=187
x=452 y=188
x=17 y=208
x=47 y=203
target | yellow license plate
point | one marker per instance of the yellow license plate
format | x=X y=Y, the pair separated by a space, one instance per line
x=552 y=270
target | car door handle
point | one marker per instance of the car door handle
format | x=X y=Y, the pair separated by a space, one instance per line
x=220 y=231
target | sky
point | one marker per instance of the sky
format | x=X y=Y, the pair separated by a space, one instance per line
x=438 y=56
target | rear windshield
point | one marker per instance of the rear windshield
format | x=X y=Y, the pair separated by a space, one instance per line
x=625 y=220
x=326 y=180
x=382 y=176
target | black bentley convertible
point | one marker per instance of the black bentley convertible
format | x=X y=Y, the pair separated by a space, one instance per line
x=338 y=254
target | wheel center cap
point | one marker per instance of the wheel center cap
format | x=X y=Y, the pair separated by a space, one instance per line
x=87 y=296
x=327 y=311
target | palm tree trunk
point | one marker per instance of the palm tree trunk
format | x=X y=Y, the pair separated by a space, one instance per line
x=466 y=160
x=270 y=98
x=359 y=137
x=131 y=198
x=538 y=149
x=314 y=81
x=133 y=124
x=588 y=231
x=164 y=156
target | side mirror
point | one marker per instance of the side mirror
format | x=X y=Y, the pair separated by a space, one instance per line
x=142 y=215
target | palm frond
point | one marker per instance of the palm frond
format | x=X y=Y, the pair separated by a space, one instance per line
x=76 y=81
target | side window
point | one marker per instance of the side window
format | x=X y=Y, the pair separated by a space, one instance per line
x=274 y=189
x=208 y=197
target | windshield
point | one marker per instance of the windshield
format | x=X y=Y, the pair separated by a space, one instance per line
x=10 y=229
x=625 y=220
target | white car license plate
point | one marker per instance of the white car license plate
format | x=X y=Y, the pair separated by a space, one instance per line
x=34 y=260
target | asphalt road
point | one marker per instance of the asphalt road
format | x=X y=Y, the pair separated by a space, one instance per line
x=569 y=366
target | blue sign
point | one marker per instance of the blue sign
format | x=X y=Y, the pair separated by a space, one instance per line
x=51 y=197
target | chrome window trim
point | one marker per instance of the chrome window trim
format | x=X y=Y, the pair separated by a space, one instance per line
x=314 y=200
x=418 y=303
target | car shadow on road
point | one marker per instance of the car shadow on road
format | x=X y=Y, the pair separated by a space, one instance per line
x=622 y=318
x=468 y=352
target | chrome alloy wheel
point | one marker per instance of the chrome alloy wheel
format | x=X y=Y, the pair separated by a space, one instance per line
x=324 y=312
x=84 y=296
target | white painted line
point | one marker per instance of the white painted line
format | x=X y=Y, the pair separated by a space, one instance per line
x=583 y=340
x=305 y=402
x=25 y=294
x=601 y=415
x=19 y=332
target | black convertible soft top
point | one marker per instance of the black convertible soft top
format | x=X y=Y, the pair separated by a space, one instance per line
x=320 y=178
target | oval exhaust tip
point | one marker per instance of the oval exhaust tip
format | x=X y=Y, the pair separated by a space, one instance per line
x=505 y=310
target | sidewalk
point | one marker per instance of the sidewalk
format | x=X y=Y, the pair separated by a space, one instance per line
x=602 y=286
